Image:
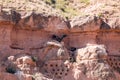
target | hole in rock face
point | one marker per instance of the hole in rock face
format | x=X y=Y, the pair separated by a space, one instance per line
x=70 y=58
x=56 y=73
x=111 y=63
x=119 y=64
x=60 y=73
x=66 y=66
x=116 y=64
x=110 y=59
x=56 y=65
x=67 y=70
x=51 y=65
x=65 y=74
x=62 y=69
x=72 y=49
x=57 y=38
x=45 y=64
x=53 y=69
x=58 y=69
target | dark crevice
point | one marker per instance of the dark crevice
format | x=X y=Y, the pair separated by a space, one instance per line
x=15 y=16
x=57 y=38
x=15 y=47
x=104 y=26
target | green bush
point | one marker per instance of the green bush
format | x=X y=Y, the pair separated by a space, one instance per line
x=34 y=58
x=11 y=70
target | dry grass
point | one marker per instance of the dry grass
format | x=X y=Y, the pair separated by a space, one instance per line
x=65 y=8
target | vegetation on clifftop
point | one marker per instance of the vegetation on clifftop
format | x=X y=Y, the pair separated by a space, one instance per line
x=65 y=8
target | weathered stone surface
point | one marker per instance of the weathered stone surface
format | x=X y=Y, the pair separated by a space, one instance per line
x=25 y=61
x=86 y=23
x=7 y=76
x=39 y=21
x=41 y=37
x=91 y=63
x=91 y=51
x=93 y=23
x=22 y=76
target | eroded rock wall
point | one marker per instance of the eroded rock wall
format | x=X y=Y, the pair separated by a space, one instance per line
x=52 y=43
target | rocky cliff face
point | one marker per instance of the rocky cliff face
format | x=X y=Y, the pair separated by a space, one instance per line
x=48 y=47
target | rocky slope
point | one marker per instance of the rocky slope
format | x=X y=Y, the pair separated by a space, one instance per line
x=42 y=45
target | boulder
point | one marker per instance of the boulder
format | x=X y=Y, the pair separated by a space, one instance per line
x=26 y=64
x=91 y=51
x=91 y=62
x=25 y=60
